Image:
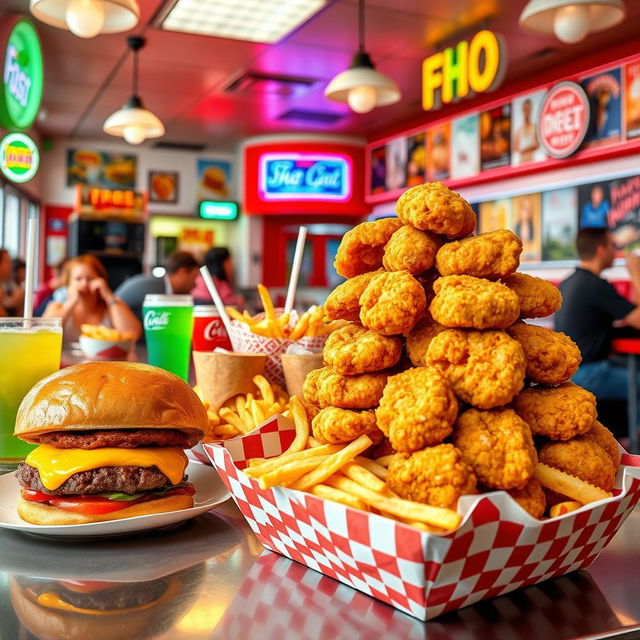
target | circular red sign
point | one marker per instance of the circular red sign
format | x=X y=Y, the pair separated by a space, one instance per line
x=563 y=119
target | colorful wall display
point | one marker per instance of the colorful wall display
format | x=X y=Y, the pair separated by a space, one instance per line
x=19 y=157
x=163 y=186
x=22 y=73
x=439 y=152
x=495 y=137
x=605 y=99
x=101 y=169
x=396 y=164
x=526 y=223
x=559 y=224
x=125 y=202
x=378 y=170
x=465 y=155
x=416 y=159
x=494 y=214
x=525 y=147
x=623 y=218
x=632 y=105
x=214 y=179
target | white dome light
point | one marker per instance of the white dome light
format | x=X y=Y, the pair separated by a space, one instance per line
x=363 y=98
x=134 y=124
x=87 y=18
x=571 y=20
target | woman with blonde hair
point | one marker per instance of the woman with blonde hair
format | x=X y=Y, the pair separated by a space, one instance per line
x=90 y=301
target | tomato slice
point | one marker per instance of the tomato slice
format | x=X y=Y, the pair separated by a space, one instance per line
x=86 y=586
x=98 y=505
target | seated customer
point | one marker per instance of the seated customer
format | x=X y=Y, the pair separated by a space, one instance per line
x=590 y=306
x=182 y=271
x=220 y=264
x=91 y=301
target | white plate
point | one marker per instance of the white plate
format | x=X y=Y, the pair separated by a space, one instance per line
x=209 y=492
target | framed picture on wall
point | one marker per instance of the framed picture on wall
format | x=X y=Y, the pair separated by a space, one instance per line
x=163 y=186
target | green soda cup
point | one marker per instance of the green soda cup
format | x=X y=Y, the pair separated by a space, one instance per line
x=168 y=325
x=29 y=351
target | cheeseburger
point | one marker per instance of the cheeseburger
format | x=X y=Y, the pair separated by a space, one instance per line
x=111 y=437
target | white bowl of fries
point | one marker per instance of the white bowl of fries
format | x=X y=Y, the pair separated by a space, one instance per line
x=103 y=343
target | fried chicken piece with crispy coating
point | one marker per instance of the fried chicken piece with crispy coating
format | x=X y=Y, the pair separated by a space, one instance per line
x=434 y=207
x=552 y=356
x=436 y=475
x=491 y=255
x=362 y=247
x=473 y=303
x=600 y=435
x=412 y=250
x=349 y=392
x=417 y=409
x=352 y=350
x=559 y=413
x=333 y=425
x=498 y=445
x=392 y=303
x=582 y=459
x=419 y=339
x=343 y=303
x=538 y=298
x=531 y=498
x=485 y=368
x=310 y=386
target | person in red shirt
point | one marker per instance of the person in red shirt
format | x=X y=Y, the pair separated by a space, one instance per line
x=220 y=264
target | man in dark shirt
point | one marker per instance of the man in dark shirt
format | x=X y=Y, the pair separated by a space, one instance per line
x=590 y=307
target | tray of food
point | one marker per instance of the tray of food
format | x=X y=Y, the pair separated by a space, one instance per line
x=441 y=455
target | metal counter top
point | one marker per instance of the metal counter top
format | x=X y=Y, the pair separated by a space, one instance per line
x=211 y=578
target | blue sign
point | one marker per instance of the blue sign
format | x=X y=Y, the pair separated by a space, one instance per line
x=304 y=176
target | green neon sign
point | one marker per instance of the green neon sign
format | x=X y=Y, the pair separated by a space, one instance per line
x=22 y=77
x=216 y=210
x=19 y=157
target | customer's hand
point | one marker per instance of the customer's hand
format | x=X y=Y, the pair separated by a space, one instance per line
x=100 y=286
x=633 y=263
x=73 y=296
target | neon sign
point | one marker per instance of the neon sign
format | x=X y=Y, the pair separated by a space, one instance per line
x=459 y=72
x=217 y=210
x=19 y=157
x=304 y=176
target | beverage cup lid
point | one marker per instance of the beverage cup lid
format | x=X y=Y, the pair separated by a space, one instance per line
x=167 y=300
x=205 y=310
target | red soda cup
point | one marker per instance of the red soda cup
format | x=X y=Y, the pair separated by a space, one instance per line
x=208 y=329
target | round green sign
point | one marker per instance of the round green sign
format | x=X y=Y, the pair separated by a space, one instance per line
x=22 y=76
x=19 y=157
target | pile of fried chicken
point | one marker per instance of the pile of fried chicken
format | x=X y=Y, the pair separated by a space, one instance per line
x=439 y=367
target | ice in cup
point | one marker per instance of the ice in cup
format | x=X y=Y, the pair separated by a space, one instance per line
x=168 y=326
x=29 y=351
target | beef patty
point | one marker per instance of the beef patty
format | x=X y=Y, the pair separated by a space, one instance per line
x=101 y=480
x=121 y=438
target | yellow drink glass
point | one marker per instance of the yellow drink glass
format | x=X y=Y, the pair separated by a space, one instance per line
x=29 y=351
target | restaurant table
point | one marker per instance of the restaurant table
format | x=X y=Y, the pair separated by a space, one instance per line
x=224 y=585
x=630 y=347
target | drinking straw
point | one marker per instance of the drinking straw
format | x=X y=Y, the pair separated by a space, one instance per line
x=295 y=270
x=167 y=284
x=30 y=267
x=217 y=300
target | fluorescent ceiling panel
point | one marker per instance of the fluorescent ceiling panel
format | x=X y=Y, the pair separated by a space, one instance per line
x=253 y=20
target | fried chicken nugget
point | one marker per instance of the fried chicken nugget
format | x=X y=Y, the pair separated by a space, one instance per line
x=538 y=298
x=600 y=435
x=353 y=349
x=436 y=475
x=412 y=250
x=343 y=303
x=348 y=392
x=392 y=303
x=531 y=498
x=491 y=255
x=582 y=459
x=310 y=386
x=498 y=445
x=485 y=368
x=473 y=303
x=333 y=425
x=419 y=339
x=552 y=357
x=362 y=247
x=417 y=409
x=434 y=207
x=559 y=413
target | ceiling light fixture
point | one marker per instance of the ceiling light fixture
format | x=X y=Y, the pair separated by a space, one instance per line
x=87 y=18
x=265 y=21
x=571 y=20
x=361 y=86
x=133 y=122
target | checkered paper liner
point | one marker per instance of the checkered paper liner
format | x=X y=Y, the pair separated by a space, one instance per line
x=244 y=341
x=497 y=548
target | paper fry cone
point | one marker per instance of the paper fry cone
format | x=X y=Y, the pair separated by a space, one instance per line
x=296 y=367
x=221 y=376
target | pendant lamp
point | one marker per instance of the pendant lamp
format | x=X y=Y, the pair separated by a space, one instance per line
x=133 y=122
x=87 y=18
x=571 y=20
x=361 y=86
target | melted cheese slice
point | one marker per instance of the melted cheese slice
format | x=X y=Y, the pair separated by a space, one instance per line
x=56 y=466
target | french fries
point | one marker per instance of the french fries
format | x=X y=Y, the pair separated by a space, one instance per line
x=309 y=324
x=563 y=507
x=568 y=485
x=99 y=332
x=243 y=413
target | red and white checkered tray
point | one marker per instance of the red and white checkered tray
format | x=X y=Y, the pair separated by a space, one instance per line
x=497 y=548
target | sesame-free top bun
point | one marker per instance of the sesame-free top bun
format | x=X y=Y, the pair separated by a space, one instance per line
x=110 y=395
